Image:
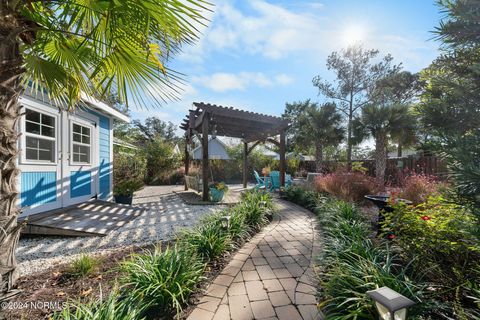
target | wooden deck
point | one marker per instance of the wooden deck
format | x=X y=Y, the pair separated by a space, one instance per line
x=95 y=218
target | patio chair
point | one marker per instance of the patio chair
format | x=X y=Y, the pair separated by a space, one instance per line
x=275 y=180
x=262 y=183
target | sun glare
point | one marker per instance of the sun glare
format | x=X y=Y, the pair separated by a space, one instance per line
x=353 y=35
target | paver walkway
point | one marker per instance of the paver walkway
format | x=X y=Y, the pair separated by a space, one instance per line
x=271 y=277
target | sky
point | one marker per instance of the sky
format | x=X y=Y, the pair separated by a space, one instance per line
x=257 y=55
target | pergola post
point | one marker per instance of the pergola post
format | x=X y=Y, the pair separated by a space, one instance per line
x=245 y=163
x=282 y=158
x=187 y=160
x=205 y=163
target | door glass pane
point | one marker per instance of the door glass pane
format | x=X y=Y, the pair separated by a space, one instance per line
x=33 y=116
x=81 y=153
x=77 y=128
x=48 y=121
x=86 y=131
x=48 y=131
x=40 y=149
x=77 y=137
x=32 y=142
x=32 y=127
x=31 y=154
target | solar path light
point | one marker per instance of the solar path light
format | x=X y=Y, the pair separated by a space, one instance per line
x=225 y=220
x=390 y=304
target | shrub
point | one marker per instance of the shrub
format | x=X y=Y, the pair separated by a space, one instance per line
x=254 y=208
x=208 y=240
x=128 y=168
x=349 y=186
x=440 y=234
x=238 y=228
x=83 y=265
x=305 y=198
x=162 y=162
x=162 y=279
x=442 y=239
x=419 y=187
x=114 y=307
x=352 y=265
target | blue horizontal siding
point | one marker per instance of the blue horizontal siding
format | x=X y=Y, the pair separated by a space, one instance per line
x=80 y=183
x=104 y=167
x=38 y=188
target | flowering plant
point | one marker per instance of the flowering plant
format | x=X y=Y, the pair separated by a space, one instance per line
x=220 y=186
x=266 y=171
x=435 y=235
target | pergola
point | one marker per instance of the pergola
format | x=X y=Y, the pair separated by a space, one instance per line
x=253 y=128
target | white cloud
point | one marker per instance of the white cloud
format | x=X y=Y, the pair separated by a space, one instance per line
x=221 y=82
x=276 y=32
x=283 y=79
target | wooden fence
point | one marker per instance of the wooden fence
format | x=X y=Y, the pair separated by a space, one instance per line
x=428 y=165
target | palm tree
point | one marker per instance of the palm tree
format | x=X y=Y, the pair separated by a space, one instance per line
x=381 y=122
x=71 y=47
x=405 y=137
x=320 y=125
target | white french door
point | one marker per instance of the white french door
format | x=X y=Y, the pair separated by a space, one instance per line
x=80 y=160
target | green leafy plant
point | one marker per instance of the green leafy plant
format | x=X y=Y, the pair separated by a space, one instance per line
x=114 y=307
x=83 y=265
x=442 y=239
x=162 y=279
x=306 y=198
x=437 y=232
x=254 y=207
x=352 y=264
x=357 y=166
x=209 y=240
x=127 y=187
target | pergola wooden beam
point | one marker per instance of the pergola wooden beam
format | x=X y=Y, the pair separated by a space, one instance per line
x=230 y=122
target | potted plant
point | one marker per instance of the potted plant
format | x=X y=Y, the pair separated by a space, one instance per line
x=217 y=191
x=123 y=191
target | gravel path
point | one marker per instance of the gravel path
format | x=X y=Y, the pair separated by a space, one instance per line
x=165 y=214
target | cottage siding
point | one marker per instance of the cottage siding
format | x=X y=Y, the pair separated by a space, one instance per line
x=104 y=164
x=216 y=150
x=80 y=183
x=38 y=188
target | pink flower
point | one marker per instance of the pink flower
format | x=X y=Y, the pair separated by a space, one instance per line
x=425 y=218
x=391 y=236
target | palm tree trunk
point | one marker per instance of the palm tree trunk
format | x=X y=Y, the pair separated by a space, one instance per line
x=380 y=159
x=10 y=89
x=399 y=149
x=319 y=157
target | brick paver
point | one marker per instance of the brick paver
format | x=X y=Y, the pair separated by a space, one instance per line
x=272 y=276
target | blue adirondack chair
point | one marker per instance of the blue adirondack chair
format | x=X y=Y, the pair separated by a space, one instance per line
x=262 y=183
x=275 y=180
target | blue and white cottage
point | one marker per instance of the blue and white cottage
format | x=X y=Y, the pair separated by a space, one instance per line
x=65 y=157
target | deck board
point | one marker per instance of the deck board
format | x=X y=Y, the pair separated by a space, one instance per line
x=95 y=218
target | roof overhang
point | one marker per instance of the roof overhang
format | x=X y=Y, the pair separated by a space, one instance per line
x=105 y=108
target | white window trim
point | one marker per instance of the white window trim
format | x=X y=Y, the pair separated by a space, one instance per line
x=26 y=104
x=90 y=145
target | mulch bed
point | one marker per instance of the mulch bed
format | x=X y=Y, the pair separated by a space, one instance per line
x=57 y=286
